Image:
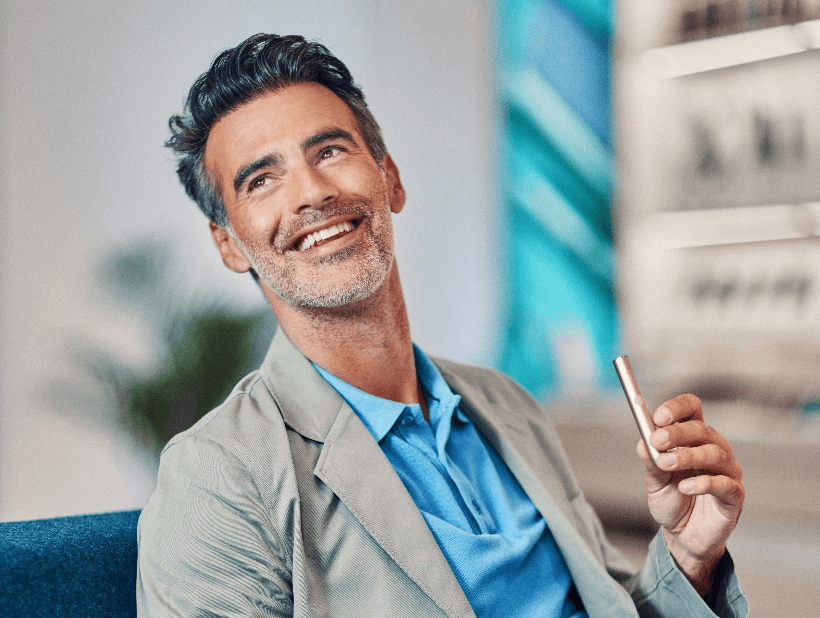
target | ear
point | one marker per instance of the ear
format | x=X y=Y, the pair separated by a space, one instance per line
x=394 y=186
x=231 y=254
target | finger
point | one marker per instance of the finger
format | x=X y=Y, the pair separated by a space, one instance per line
x=709 y=458
x=661 y=476
x=687 y=433
x=728 y=492
x=681 y=408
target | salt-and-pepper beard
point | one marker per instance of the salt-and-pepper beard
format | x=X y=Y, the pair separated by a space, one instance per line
x=373 y=252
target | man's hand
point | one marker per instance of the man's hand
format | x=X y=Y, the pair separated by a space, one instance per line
x=696 y=490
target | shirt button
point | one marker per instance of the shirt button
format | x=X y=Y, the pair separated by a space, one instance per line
x=407 y=420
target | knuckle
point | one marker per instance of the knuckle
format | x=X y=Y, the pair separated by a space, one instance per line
x=726 y=459
x=689 y=401
x=686 y=434
x=688 y=430
x=686 y=406
x=735 y=492
x=673 y=431
x=714 y=454
x=687 y=458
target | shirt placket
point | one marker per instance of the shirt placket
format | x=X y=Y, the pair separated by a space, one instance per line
x=477 y=514
x=418 y=433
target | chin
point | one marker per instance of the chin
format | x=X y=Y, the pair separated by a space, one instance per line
x=309 y=293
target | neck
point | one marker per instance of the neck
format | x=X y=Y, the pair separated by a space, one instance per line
x=366 y=344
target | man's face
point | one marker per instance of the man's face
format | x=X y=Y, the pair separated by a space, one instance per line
x=309 y=207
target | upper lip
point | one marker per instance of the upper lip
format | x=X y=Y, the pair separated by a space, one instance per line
x=327 y=223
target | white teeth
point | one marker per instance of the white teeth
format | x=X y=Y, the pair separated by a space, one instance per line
x=314 y=237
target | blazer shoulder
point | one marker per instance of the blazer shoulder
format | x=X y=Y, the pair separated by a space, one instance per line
x=248 y=409
x=485 y=385
x=246 y=431
x=212 y=518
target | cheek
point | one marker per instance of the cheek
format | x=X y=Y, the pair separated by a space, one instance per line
x=262 y=222
x=259 y=226
x=362 y=180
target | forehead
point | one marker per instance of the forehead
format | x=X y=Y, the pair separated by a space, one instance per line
x=276 y=121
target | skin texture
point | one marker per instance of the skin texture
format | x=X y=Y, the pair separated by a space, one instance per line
x=293 y=161
x=696 y=492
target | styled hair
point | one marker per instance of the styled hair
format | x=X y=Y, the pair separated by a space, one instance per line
x=261 y=64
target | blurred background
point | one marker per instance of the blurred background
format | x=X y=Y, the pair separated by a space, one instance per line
x=585 y=179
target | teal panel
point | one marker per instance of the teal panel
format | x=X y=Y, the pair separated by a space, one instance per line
x=525 y=149
x=561 y=325
x=556 y=300
x=597 y=15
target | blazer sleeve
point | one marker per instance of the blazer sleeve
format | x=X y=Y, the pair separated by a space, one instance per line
x=660 y=589
x=206 y=544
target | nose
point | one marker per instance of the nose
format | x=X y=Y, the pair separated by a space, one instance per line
x=310 y=188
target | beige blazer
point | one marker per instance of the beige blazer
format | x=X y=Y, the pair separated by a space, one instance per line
x=280 y=503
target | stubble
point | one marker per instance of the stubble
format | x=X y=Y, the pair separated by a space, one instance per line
x=332 y=281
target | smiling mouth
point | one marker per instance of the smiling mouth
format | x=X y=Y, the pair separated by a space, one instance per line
x=325 y=235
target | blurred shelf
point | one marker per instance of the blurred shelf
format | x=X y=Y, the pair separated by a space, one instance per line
x=730 y=50
x=728 y=226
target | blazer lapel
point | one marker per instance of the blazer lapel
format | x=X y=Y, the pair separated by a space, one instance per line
x=354 y=467
x=531 y=456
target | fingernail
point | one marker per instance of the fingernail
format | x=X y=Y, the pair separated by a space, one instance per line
x=667 y=460
x=663 y=417
x=662 y=437
x=686 y=485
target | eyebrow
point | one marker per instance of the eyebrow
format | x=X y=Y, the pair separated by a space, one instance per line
x=326 y=135
x=275 y=159
x=251 y=168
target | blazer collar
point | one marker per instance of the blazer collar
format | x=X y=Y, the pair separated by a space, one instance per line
x=308 y=403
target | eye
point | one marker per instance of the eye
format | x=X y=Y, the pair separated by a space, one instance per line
x=259 y=182
x=329 y=152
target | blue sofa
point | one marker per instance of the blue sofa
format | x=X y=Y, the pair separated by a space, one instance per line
x=78 y=567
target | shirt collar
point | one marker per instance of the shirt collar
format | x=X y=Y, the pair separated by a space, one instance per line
x=440 y=398
x=379 y=415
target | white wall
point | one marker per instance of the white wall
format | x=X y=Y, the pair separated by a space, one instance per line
x=85 y=92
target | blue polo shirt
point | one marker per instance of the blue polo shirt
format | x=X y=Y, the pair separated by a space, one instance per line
x=495 y=540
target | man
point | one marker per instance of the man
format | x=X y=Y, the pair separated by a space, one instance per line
x=350 y=475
